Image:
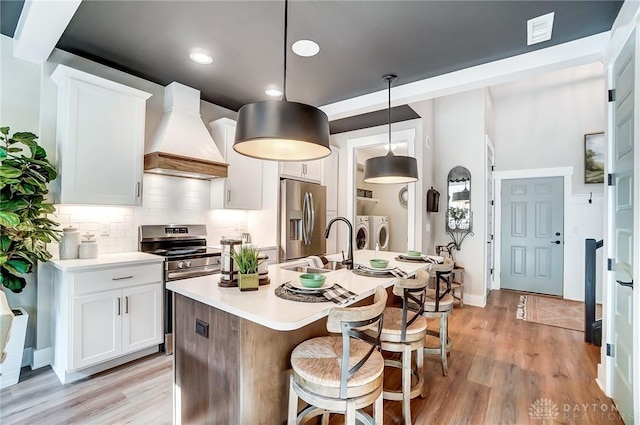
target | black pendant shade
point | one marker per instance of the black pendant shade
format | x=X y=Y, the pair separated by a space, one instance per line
x=280 y=130
x=390 y=169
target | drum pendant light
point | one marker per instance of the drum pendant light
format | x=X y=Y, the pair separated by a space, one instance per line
x=390 y=168
x=279 y=130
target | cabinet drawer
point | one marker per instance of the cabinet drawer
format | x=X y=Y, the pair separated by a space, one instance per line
x=113 y=278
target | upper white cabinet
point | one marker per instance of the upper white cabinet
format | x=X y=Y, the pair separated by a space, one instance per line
x=100 y=138
x=310 y=171
x=242 y=189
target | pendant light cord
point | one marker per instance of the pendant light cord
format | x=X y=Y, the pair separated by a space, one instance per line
x=389 y=112
x=284 y=83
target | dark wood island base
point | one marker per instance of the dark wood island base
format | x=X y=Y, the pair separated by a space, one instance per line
x=238 y=374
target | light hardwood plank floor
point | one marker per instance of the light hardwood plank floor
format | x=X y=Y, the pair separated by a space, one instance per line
x=498 y=368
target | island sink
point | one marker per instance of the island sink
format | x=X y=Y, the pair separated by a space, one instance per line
x=330 y=266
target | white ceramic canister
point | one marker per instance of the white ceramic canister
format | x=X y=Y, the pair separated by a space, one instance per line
x=263 y=266
x=88 y=247
x=69 y=243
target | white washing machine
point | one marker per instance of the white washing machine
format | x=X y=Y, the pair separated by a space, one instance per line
x=379 y=226
x=362 y=232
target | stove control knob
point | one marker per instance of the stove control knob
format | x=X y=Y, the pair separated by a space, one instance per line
x=188 y=263
x=180 y=264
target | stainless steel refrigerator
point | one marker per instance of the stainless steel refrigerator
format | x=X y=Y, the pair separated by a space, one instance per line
x=303 y=218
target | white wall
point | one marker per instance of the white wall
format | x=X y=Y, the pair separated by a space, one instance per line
x=540 y=123
x=459 y=141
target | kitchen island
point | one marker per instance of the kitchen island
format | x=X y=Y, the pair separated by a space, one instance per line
x=232 y=348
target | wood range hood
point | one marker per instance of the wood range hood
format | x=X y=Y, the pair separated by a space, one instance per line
x=182 y=146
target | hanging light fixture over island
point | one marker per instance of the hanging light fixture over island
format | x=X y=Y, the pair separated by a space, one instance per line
x=279 y=130
x=390 y=169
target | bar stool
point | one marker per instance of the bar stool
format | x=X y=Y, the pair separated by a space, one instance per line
x=403 y=331
x=341 y=374
x=439 y=304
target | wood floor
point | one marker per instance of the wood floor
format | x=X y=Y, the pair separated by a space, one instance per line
x=498 y=368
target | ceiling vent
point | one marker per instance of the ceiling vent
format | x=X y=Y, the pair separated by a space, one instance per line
x=539 y=29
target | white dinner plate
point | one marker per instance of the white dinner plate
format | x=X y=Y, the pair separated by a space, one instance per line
x=298 y=285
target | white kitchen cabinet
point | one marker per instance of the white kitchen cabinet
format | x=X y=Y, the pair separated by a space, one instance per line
x=100 y=139
x=242 y=189
x=310 y=171
x=105 y=316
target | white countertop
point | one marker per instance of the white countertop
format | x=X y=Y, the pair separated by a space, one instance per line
x=106 y=260
x=265 y=308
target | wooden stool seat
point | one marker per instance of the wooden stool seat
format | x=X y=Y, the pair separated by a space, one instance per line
x=392 y=326
x=445 y=303
x=316 y=363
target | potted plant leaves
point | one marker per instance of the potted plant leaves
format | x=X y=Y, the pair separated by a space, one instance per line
x=246 y=262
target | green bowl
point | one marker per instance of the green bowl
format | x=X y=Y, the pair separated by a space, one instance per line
x=379 y=263
x=414 y=253
x=312 y=280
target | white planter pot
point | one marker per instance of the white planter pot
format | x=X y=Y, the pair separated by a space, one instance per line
x=10 y=369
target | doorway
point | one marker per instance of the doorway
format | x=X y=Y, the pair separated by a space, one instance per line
x=532 y=231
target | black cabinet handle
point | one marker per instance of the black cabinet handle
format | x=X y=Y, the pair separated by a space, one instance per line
x=627 y=284
x=556 y=242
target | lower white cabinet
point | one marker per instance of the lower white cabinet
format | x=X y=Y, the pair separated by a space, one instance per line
x=102 y=318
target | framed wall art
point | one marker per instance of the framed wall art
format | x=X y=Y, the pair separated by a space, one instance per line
x=594 y=158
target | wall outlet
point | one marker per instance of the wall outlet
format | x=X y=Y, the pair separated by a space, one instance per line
x=105 y=229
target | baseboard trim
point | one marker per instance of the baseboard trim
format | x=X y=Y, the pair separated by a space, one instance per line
x=475 y=300
x=41 y=358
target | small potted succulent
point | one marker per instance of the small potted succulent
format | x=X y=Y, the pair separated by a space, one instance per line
x=246 y=262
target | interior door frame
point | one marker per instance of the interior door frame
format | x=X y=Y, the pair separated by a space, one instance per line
x=565 y=172
x=490 y=244
x=628 y=20
x=414 y=219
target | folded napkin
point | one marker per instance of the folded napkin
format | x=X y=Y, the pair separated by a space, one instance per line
x=394 y=271
x=339 y=295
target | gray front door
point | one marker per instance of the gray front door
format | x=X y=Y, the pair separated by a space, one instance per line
x=532 y=241
x=623 y=234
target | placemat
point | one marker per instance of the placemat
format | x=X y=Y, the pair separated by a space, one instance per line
x=420 y=260
x=284 y=294
x=367 y=274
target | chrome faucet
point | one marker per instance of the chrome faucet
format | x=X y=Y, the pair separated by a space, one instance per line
x=349 y=261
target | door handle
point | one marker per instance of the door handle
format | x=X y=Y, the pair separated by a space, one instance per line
x=126 y=305
x=312 y=218
x=556 y=242
x=118 y=306
x=627 y=284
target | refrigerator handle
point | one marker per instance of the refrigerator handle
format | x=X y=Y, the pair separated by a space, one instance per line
x=305 y=207
x=312 y=218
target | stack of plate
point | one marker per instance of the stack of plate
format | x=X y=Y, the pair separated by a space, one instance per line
x=298 y=288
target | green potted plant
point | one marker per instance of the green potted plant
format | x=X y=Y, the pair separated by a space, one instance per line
x=25 y=229
x=246 y=262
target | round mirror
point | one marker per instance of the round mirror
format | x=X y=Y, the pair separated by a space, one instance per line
x=459 y=200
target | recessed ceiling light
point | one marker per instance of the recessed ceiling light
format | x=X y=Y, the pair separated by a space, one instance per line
x=200 y=57
x=539 y=29
x=273 y=92
x=305 y=48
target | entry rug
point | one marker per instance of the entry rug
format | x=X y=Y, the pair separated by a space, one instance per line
x=553 y=311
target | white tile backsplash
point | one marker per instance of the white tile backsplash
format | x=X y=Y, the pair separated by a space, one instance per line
x=165 y=200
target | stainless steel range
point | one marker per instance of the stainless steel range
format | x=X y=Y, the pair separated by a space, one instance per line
x=186 y=255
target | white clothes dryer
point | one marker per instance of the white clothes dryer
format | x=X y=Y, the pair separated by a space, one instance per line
x=379 y=232
x=363 y=232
